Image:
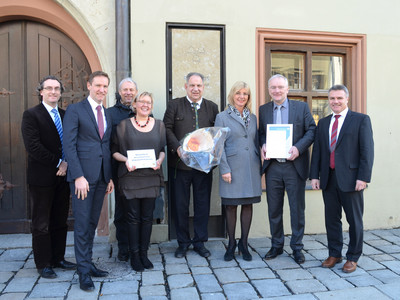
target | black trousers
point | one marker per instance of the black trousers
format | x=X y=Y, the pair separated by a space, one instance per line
x=50 y=205
x=180 y=183
x=280 y=177
x=353 y=206
x=120 y=222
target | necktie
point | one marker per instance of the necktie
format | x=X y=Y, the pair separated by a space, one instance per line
x=100 y=121
x=57 y=122
x=333 y=142
x=278 y=115
x=194 y=104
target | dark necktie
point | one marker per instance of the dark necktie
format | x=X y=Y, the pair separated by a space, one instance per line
x=57 y=122
x=278 y=115
x=100 y=121
x=333 y=142
x=195 y=104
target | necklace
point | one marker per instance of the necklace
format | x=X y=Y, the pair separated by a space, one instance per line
x=147 y=122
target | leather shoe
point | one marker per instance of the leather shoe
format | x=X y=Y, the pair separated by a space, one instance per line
x=273 y=252
x=95 y=272
x=123 y=255
x=47 y=272
x=85 y=282
x=331 y=261
x=66 y=265
x=298 y=256
x=202 y=251
x=349 y=266
x=181 y=251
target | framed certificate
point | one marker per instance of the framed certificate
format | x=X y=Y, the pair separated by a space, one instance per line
x=142 y=158
x=279 y=140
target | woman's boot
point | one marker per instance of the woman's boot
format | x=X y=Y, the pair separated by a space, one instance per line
x=136 y=263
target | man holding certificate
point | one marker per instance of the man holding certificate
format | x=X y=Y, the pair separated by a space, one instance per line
x=286 y=131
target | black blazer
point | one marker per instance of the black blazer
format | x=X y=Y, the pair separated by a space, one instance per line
x=179 y=120
x=303 y=132
x=354 y=153
x=85 y=151
x=43 y=144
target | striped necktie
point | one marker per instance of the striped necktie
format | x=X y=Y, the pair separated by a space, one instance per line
x=333 y=142
x=57 y=122
x=100 y=121
x=195 y=104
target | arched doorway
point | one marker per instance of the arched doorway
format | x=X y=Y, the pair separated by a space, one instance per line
x=28 y=52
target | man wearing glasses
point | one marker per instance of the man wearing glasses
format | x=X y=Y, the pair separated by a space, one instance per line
x=49 y=191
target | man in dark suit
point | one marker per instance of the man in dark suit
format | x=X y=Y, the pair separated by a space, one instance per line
x=49 y=192
x=341 y=166
x=87 y=133
x=127 y=92
x=180 y=118
x=289 y=173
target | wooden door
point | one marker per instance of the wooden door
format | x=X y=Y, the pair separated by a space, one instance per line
x=28 y=52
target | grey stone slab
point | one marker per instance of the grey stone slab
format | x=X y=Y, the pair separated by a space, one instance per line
x=200 y=270
x=393 y=239
x=259 y=242
x=9 y=241
x=152 y=290
x=305 y=286
x=230 y=275
x=381 y=232
x=313 y=245
x=158 y=266
x=381 y=257
x=337 y=284
x=154 y=298
x=392 y=289
x=152 y=278
x=311 y=264
x=320 y=254
x=62 y=275
x=13 y=296
x=180 y=281
x=389 y=249
x=392 y=265
x=369 y=264
x=195 y=260
x=378 y=243
x=48 y=290
x=215 y=244
x=220 y=263
x=260 y=273
x=386 y=276
x=282 y=262
x=120 y=297
x=217 y=255
x=5 y=276
x=20 y=285
x=120 y=287
x=239 y=291
x=270 y=288
x=213 y=296
x=256 y=262
x=76 y=293
x=176 y=269
x=364 y=280
x=369 y=250
x=27 y=273
x=296 y=297
x=361 y=293
x=15 y=254
x=185 y=293
x=2 y=286
x=171 y=259
x=368 y=236
x=207 y=283
x=294 y=274
x=30 y=264
x=323 y=273
x=321 y=238
x=396 y=255
x=11 y=265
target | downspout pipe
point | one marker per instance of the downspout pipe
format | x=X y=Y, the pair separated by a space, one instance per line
x=122 y=40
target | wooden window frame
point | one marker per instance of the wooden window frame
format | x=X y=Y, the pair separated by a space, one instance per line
x=356 y=51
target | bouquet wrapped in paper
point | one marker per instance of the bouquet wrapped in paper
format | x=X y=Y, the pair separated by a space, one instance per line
x=202 y=149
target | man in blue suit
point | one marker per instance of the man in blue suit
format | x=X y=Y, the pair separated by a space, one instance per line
x=290 y=173
x=341 y=166
x=87 y=134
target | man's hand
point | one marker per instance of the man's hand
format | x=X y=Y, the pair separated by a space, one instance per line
x=128 y=167
x=227 y=177
x=179 y=151
x=315 y=184
x=264 y=152
x=110 y=187
x=81 y=187
x=360 y=185
x=294 y=153
x=62 y=169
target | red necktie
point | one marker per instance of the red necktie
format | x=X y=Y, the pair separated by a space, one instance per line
x=333 y=142
x=100 y=121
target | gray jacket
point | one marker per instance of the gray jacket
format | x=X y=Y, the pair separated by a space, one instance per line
x=241 y=157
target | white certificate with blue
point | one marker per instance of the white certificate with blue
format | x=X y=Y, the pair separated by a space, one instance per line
x=279 y=140
x=142 y=158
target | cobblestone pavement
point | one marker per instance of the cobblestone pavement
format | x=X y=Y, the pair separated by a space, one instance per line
x=194 y=277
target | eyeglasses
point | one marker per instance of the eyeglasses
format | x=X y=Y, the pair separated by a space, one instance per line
x=144 y=102
x=57 y=89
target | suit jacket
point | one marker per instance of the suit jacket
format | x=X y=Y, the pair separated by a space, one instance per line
x=303 y=132
x=241 y=157
x=354 y=153
x=179 y=120
x=85 y=152
x=43 y=144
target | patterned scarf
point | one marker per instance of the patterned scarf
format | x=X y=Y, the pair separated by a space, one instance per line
x=246 y=114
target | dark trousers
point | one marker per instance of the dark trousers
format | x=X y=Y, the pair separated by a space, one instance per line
x=140 y=222
x=86 y=213
x=50 y=205
x=280 y=177
x=181 y=181
x=121 y=225
x=353 y=206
